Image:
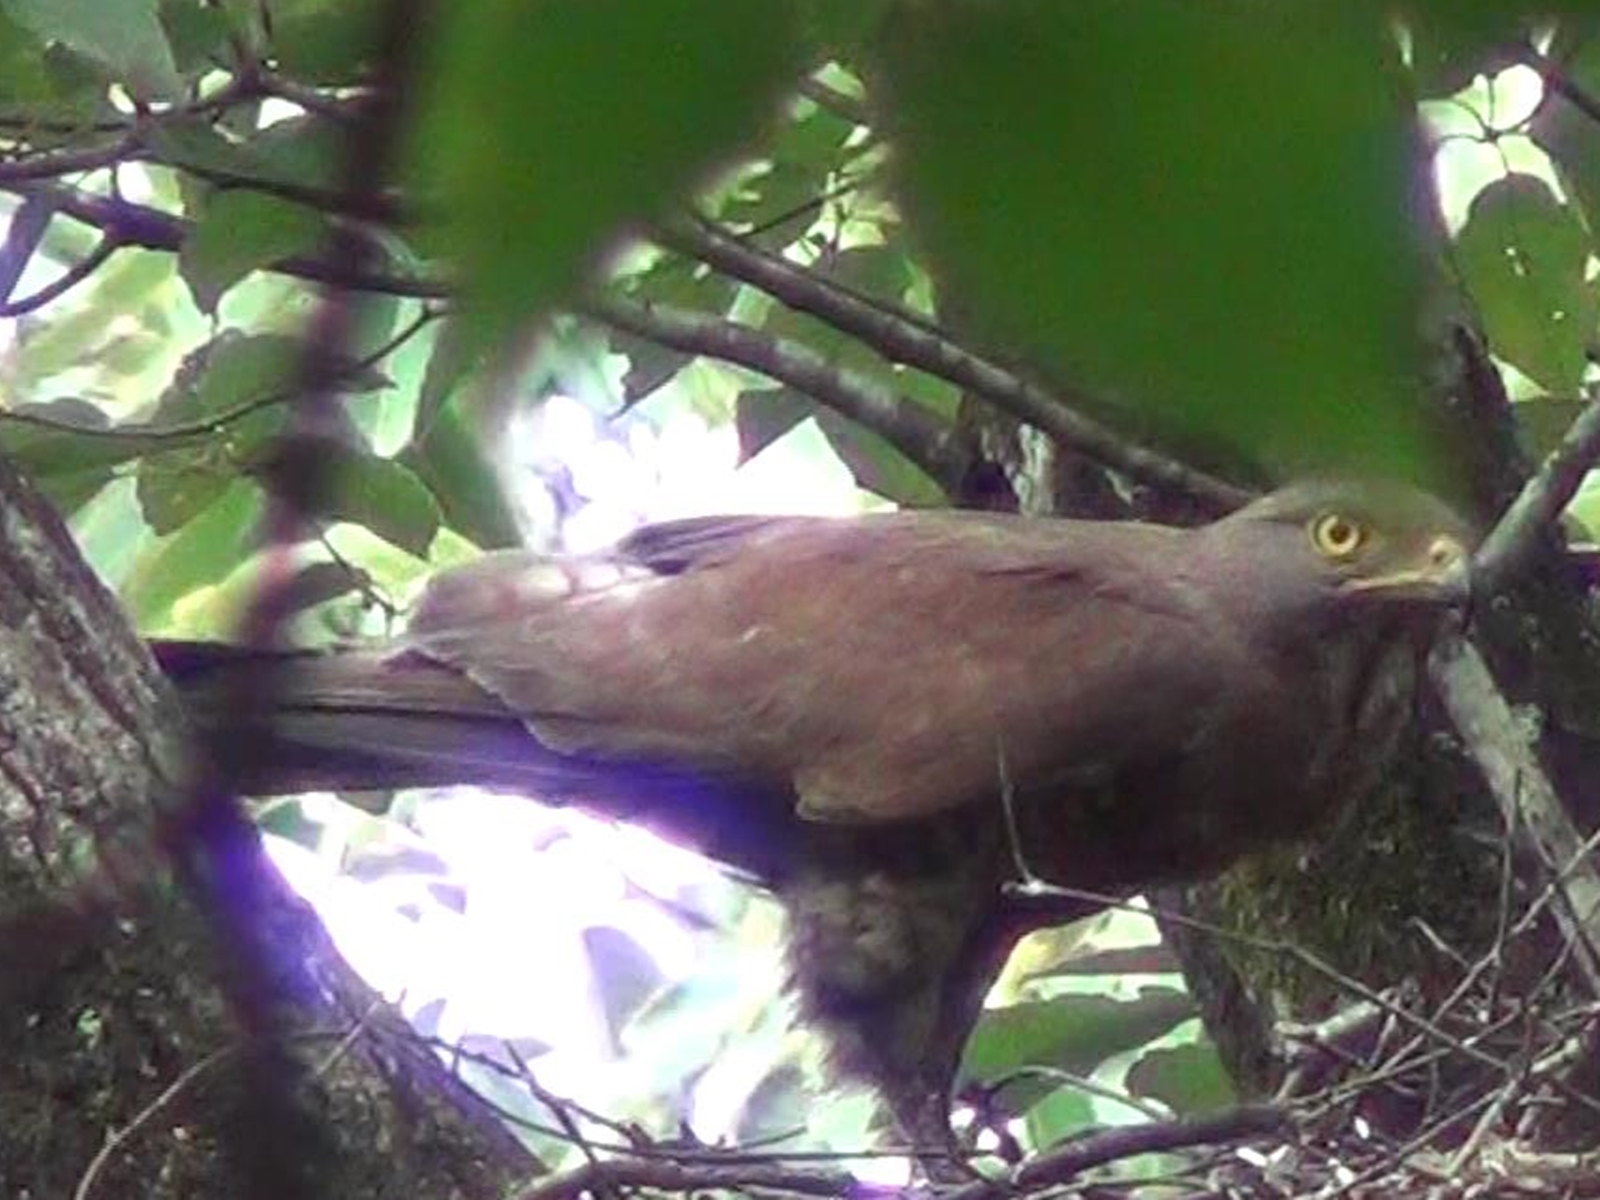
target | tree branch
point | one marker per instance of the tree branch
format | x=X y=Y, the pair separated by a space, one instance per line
x=1560 y=83
x=915 y=342
x=676 y=1177
x=917 y=433
x=1503 y=747
x=898 y=337
x=63 y=283
x=151 y=229
x=1515 y=537
x=1067 y=1161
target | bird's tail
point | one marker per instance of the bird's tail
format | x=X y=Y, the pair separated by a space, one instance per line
x=368 y=720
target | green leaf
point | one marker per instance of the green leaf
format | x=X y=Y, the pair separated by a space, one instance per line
x=450 y=460
x=1585 y=507
x=1060 y=1114
x=378 y=493
x=1523 y=255
x=174 y=489
x=202 y=552
x=762 y=417
x=1073 y=1033
x=326 y=41
x=878 y=466
x=41 y=84
x=240 y=232
x=1145 y=224
x=1452 y=45
x=1542 y=421
x=445 y=450
x=625 y=975
x=536 y=150
x=69 y=467
x=1187 y=1079
x=231 y=376
x=197 y=34
x=450 y=365
x=125 y=37
x=299 y=153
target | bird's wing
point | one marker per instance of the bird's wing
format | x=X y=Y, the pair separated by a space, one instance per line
x=886 y=666
x=673 y=547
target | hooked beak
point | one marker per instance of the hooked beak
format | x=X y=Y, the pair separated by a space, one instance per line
x=1443 y=579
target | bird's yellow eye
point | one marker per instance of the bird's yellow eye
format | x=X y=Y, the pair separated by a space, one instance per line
x=1337 y=536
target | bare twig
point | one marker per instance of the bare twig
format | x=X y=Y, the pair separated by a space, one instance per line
x=679 y=1177
x=23 y=235
x=1070 y=1159
x=839 y=103
x=116 y=1139
x=1313 y=962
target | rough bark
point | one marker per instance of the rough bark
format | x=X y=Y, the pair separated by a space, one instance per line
x=126 y=1069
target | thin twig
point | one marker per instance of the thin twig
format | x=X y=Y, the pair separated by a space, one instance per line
x=678 y=1177
x=154 y=434
x=115 y=1139
x=65 y=282
x=1071 y=1158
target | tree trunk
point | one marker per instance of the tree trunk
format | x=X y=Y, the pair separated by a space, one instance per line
x=148 y=1049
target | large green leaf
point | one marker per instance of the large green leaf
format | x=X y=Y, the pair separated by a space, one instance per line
x=1197 y=210
x=351 y=484
x=200 y=553
x=301 y=153
x=72 y=457
x=1524 y=256
x=878 y=466
x=326 y=41
x=241 y=232
x=1189 y=1078
x=446 y=448
x=43 y=85
x=546 y=128
x=246 y=378
x=1072 y=1033
x=125 y=37
x=762 y=416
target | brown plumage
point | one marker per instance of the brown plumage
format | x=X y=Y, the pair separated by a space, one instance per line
x=847 y=709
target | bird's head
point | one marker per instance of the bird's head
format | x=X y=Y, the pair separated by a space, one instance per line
x=1327 y=547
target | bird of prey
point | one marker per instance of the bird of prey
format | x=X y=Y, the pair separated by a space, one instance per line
x=884 y=718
